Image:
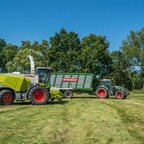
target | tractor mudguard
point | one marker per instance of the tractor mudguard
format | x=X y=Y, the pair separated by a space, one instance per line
x=102 y=86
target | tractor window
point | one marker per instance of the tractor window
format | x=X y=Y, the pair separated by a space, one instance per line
x=42 y=71
x=106 y=83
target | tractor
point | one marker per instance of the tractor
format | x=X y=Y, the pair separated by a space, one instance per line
x=107 y=89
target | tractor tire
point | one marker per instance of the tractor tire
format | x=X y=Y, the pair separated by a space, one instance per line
x=38 y=95
x=7 y=97
x=120 y=95
x=68 y=94
x=101 y=93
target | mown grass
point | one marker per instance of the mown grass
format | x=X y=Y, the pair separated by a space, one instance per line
x=81 y=120
x=137 y=92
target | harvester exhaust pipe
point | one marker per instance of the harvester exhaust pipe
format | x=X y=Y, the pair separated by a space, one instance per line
x=32 y=64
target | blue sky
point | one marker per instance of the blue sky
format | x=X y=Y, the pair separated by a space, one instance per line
x=40 y=19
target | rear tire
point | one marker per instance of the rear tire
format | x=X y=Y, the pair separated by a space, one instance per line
x=120 y=95
x=7 y=97
x=39 y=95
x=68 y=94
x=101 y=93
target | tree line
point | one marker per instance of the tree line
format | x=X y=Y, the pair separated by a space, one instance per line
x=66 y=52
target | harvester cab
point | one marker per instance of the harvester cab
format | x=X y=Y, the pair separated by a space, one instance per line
x=44 y=74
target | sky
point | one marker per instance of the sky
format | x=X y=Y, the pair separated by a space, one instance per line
x=41 y=19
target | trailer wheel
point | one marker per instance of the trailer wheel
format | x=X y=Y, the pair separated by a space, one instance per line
x=68 y=94
x=120 y=95
x=101 y=93
x=38 y=95
x=7 y=97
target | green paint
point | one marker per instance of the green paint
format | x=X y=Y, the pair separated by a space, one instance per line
x=17 y=83
x=82 y=88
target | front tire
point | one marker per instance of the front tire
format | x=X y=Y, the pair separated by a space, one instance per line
x=39 y=95
x=120 y=95
x=7 y=97
x=101 y=93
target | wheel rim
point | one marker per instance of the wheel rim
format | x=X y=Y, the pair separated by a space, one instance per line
x=68 y=94
x=39 y=95
x=7 y=98
x=101 y=93
x=119 y=95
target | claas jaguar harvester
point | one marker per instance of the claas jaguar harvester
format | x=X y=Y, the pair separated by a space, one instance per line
x=21 y=87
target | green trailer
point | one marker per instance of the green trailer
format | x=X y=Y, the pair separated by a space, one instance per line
x=69 y=82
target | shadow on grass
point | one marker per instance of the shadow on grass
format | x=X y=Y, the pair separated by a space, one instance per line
x=48 y=103
x=92 y=97
x=21 y=103
x=57 y=102
x=84 y=97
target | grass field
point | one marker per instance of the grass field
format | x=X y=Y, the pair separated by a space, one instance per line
x=81 y=120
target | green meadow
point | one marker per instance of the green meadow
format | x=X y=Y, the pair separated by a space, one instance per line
x=83 y=119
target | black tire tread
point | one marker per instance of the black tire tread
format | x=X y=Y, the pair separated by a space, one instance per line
x=124 y=96
x=2 y=92
x=31 y=92
x=104 y=90
x=71 y=94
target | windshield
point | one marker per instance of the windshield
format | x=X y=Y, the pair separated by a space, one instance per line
x=106 y=83
x=44 y=74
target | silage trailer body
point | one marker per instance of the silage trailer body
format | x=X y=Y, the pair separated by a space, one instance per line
x=76 y=81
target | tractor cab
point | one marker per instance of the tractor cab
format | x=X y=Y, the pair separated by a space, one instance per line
x=107 y=83
x=44 y=74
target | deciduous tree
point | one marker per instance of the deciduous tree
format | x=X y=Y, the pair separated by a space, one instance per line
x=64 y=50
x=2 y=56
x=133 y=49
